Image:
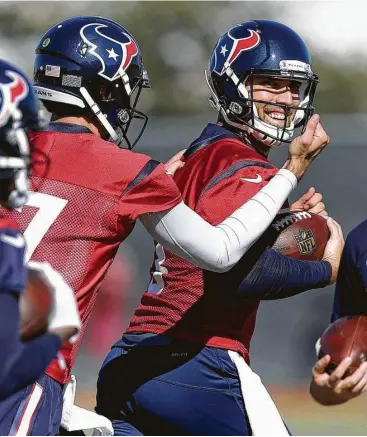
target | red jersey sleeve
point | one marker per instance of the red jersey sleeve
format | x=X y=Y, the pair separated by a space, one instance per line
x=151 y=190
x=234 y=183
x=254 y=176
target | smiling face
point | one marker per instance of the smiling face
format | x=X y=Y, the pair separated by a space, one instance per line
x=275 y=91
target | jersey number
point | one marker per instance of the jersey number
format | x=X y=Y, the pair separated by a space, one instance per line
x=49 y=208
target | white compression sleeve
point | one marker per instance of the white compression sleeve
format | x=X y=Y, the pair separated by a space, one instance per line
x=218 y=248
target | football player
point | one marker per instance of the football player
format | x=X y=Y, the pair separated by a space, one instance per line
x=176 y=370
x=350 y=299
x=89 y=74
x=21 y=363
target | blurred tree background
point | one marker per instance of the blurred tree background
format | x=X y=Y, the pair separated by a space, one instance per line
x=177 y=38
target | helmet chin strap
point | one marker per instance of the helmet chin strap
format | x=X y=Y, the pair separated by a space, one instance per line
x=98 y=113
x=265 y=140
x=19 y=195
x=113 y=132
x=272 y=130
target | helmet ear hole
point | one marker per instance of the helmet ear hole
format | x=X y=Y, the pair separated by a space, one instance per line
x=105 y=93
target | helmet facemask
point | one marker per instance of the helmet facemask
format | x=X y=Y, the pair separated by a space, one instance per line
x=239 y=109
x=114 y=104
x=14 y=163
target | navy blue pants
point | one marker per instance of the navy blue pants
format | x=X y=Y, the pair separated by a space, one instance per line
x=33 y=410
x=177 y=388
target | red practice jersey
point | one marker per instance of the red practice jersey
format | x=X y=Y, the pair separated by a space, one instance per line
x=183 y=301
x=86 y=194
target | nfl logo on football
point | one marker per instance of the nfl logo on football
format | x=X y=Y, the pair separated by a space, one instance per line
x=305 y=241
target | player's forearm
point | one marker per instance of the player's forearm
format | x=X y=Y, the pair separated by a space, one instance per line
x=275 y=276
x=20 y=363
x=29 y=361
x=219 y=248
x=350 y=291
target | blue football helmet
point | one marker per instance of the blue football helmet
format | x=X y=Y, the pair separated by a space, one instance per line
x=19 y=113
x=94 y=66
x=252 y=49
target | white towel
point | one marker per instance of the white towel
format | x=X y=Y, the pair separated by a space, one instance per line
x=76 y=418
x=263 y=415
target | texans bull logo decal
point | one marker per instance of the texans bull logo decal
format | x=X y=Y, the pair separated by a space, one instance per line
x=115 y=56
x=230 y=48
x=11 y=94
x=242 y=44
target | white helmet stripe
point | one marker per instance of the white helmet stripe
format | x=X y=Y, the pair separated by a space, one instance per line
x=98 y=113
x=44 y=93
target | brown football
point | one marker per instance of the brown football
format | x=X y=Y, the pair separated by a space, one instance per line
x=347 y=336
x=300 y=235
x=35 y=305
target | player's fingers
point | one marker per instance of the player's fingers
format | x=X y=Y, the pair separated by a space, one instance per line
x=302 y=204
x=320 y=141
x=314 y=199
x=307 y=196
x=351 y=381
x=357 y=380
x=321 y=135
x=173 y=167
x=299 y=206
x=318 y=208
x=340 y=231
x=339 y=372
x=364 y=389
x=358 y=388
x=320 y=366
x=177 y=157
x=335 y=230
x=323 y=213
x=308 y=134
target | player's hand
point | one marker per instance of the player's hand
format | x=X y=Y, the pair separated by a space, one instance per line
x=334 y=248
x=306 y=147
x=310 y=202
x=334 y=389
x=175 y=163
x=64 y=319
